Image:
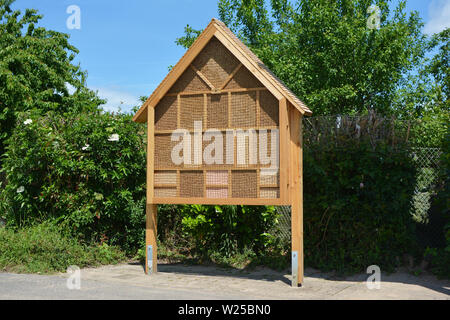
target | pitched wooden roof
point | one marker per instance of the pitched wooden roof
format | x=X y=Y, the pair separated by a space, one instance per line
x=219 y=30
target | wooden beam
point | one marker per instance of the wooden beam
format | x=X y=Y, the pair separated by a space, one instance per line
x=151 y=208
x=178 y=112
x=296 y=188
x=230 y=109
x=150 y=153
x=212 y=168
x=205 y=112
x=223 y=201
x=193 y=93
x=203 y=77
x=150 y=235
x=168 y=132
x=284 y=149
x=247 y=62
x=256 y=67
x=230 y=76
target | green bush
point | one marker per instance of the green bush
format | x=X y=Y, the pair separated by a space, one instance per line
x=437 y=230
x=359 y=181
x=228 y=229
x=235 y=236
x=43 y=248
x=86 y=171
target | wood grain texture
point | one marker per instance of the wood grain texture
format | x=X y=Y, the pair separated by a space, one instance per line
x=296 y=186
x=151 y=208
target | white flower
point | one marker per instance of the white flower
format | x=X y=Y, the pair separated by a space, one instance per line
x=361 y=185
x=27 y=122
x=20 y=189
x=114 y=137
x=85 y=147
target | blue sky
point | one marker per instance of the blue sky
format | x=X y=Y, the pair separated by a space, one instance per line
x=126 y=47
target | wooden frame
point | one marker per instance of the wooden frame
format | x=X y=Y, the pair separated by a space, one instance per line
x=290 y=113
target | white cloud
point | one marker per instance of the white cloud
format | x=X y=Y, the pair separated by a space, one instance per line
x=439 y=16
x=117 y=99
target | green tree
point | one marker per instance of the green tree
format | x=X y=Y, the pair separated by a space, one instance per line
x=37 y=70
x=425 y=95
x=324 y=50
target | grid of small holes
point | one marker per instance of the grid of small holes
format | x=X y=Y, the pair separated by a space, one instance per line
x=217 y=111
x=244 y=184
x=163 y=151
x=243 y=109
x=191 y=184
x=267 y=148
x=192 y=108
x=269 y=115
x=166 y=114
x=243 y=79
x=214 y=148
x=216 y=62
x=189 y=81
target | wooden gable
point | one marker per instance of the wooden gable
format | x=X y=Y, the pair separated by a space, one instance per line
x=219 y=88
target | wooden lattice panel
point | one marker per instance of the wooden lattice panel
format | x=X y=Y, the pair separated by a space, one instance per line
x=268 y=109
x=215 y=62
x=243 y=79
x=243 y=109
x=189 y=82
x=166 y=114
x=191 y=184
x=244 y=184
x=191 y=110
x=224 y=98
x=217 y=111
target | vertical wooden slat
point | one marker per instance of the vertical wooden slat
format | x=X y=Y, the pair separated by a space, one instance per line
x=258 y=182
x=229 y=109
x=178 y=111
x=229 y=183
x=296 y=186
x=258 y=125
x=204 y=183
x=178 y=183
x=151 y=209
x=258 y=110
x=205 y=111
x=284 y=150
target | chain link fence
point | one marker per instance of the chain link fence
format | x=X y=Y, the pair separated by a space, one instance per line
x=427 y=164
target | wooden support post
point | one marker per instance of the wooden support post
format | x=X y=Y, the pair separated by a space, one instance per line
x=284 y=150
x=151 y=209
x=296 y=193
x=150 y=238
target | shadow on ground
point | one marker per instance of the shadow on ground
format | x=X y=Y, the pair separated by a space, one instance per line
x=403 y=276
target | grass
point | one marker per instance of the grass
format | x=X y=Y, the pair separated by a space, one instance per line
x=44 y=249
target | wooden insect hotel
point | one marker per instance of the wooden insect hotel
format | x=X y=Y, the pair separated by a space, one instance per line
x=223 y=130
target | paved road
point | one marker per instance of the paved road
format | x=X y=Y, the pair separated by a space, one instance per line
x=175 y=282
